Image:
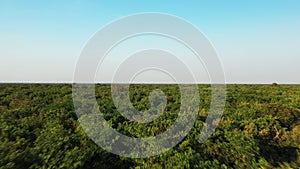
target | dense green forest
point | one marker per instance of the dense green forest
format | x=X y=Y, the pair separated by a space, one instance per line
x=260 y=128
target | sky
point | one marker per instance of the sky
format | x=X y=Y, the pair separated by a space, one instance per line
x=256 y=41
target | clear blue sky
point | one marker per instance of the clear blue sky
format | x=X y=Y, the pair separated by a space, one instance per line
x=258 y=41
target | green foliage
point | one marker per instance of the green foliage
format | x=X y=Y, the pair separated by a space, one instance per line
x=260 y=128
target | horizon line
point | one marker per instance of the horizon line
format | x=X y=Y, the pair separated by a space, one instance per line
x=162 y=83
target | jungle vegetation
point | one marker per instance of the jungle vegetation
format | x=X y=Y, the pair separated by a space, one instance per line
x=260 y=128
